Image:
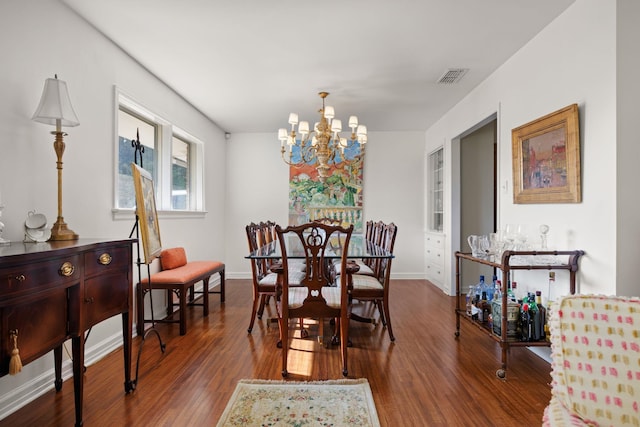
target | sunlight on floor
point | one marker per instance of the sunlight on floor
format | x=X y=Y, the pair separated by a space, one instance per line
x=303 y=350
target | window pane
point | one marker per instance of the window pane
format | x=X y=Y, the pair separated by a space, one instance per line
x=179 y=174
x=128 y=127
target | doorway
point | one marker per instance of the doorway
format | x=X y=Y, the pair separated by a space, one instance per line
x=478 y=193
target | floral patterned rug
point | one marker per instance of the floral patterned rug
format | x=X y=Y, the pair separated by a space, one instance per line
x=287 y=403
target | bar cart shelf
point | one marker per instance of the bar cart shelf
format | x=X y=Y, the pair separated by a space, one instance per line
x=506 y=265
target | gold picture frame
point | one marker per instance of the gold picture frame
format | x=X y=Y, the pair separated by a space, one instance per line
x=546 y=159
x=146 y=212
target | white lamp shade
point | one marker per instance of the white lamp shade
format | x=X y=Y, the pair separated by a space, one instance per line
x=282 y=134
x=353 y=121
x=336 y=125
x=303 y=127
x=293 y=119
x=362 y=130
x=329 y=113
x=55 y=106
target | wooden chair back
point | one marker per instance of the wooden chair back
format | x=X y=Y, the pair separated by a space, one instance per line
x=314 y=298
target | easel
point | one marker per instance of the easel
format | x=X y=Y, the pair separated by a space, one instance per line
x=139 y=148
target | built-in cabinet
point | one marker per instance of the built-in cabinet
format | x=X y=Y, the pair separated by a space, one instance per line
x=434 y=238
x=434 y=247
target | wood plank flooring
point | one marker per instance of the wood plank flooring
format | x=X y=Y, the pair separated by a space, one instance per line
x=426 y=378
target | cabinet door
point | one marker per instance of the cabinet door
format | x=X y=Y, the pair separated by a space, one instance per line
x=105 y=296
x=436 y=190
x=107 y=282
x=41 y=323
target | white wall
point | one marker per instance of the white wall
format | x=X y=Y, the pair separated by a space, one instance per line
x=573 y=60
x=258 y=190
x=628 y=149
x=38 y=39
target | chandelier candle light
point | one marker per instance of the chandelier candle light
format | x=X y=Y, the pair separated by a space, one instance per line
x=55 y=109
x=324 y=143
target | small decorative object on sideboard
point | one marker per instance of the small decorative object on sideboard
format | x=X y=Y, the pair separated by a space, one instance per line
x=2 y=241
x=35 y=228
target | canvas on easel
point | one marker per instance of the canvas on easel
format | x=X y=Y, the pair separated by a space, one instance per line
x=146 y=212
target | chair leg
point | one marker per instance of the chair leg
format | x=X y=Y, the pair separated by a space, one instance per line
x=222 y=285
x=254 y=310
x=344 y=343
x=284 y=339
x=205 y=297
x=140 y=309
x=387 y=317
x=263 y=302
x=183 y=311
x=303 y=332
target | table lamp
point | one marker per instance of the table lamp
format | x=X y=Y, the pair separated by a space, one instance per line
x=55 y=109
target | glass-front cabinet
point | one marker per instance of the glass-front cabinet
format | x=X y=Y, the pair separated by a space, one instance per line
x=436 y=190
x=434 y=238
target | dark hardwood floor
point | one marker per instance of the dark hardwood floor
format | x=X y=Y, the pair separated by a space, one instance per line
x=426 y=378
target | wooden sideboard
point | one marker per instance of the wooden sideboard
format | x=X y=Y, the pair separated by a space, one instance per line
x=54 y=291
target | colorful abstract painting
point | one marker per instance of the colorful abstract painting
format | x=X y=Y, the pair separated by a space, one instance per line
x=339 y=197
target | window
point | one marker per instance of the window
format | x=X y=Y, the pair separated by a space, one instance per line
x=172 y=156
x=179 y=174
x=130 y=129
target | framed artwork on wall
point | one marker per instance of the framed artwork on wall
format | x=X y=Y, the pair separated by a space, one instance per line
x=338 y=198
x=146 y=212
x=546 y=159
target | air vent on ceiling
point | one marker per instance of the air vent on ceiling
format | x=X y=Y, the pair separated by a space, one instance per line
x=452 y=75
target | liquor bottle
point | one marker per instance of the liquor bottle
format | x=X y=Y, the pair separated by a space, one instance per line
x=526 y=325
x=552 y=282
x=478 y=290
x=534 y=314
x=542 y=320
x=511 y=295
x=492 y=288
x=497 y=292
x=469 y=300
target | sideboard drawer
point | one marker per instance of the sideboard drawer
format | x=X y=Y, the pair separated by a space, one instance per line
x=24 y=279
x=107 y=259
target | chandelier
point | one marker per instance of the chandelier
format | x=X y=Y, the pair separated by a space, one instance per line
x=324 y=144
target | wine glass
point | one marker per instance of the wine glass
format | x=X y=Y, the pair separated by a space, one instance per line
x=544 y=230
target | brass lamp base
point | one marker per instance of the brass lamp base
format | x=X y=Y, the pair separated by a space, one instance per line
x=59 y=231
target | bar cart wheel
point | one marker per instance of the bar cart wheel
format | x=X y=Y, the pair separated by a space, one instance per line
x=501 y=373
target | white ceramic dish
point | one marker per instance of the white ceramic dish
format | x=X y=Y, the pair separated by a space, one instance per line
x=39 y=235
x=35 y=220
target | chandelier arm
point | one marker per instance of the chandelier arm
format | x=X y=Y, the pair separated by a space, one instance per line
x=289 y=162
x=306 y=154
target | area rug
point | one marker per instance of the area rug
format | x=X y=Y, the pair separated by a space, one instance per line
x=287 y=403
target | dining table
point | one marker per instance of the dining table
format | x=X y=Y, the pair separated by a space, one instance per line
x=359 y=248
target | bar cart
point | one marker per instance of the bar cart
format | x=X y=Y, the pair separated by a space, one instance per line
x=506 y=265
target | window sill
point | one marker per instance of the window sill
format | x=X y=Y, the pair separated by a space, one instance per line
x=129 y=214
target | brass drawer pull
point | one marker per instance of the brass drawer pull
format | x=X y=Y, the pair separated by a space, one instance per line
x=105 y=259
x=20 y=278
x=67 y=269
x=89 y=300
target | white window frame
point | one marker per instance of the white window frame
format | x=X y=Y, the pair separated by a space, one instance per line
x=162 y=182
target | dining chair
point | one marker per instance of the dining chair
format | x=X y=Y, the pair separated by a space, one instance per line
x=365 y=287
x=314 y=298
x=374 y=233
x=263 y=279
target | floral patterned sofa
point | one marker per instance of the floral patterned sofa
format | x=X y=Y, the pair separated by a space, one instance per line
x=595 y=343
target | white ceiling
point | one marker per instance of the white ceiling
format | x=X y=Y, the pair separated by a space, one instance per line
x=246 y=64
